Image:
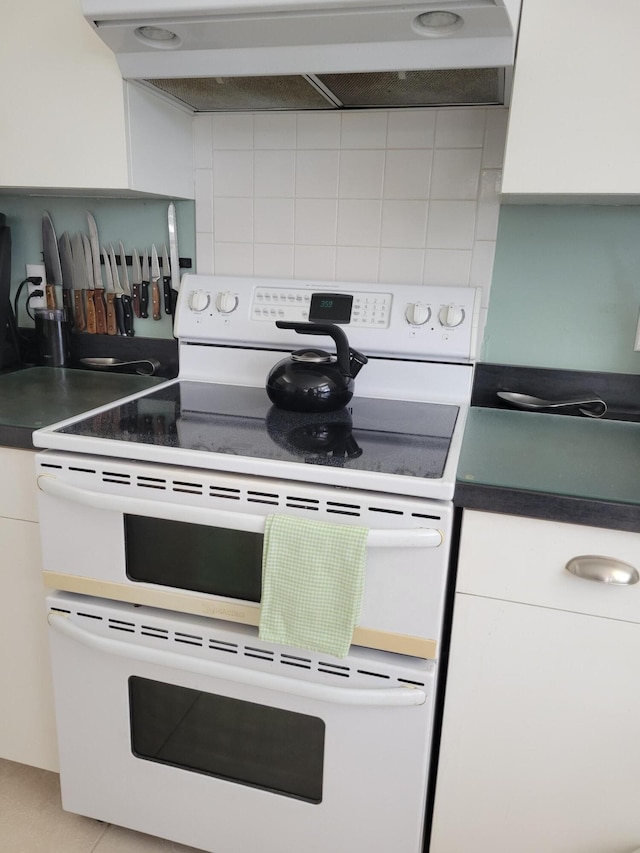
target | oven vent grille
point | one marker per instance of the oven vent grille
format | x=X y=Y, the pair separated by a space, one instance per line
x=207 y=491
x=260 y=654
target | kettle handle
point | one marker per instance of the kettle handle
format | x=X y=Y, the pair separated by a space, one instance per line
x=335 y=332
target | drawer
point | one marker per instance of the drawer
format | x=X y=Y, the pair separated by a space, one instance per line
x=522 y=559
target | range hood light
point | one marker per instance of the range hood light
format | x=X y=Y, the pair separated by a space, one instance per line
x=157 y=37
x=437 y=23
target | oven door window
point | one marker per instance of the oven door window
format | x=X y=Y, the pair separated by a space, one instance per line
x=213 y=560
x=250 y=744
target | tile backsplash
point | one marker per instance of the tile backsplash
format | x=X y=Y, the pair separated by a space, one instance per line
x=386 y=196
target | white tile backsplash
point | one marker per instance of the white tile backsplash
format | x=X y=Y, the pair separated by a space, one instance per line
x=379 y=195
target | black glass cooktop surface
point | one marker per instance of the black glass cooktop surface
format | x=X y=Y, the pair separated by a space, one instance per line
x=388 y=436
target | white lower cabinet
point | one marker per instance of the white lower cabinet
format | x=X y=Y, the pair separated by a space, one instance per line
x=27 y=722
x=541 y=744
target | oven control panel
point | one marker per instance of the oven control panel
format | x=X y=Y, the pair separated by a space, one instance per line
x=403 y=320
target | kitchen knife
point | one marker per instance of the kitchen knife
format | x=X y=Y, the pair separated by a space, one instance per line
x=169 y=295
x=127 y=304
x=144 y=286
x=136 y=280
x=53 y=269
x=66 y=263
x=115 y=315
x=155 y=285
x=173 y=248
x=81 y=282
x=77 y=277
x=94 y=294
x=102 y=314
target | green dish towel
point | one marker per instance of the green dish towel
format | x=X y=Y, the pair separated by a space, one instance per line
x=312 y=583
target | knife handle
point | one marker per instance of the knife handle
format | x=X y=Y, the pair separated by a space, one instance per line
x=51 y=296
x=144 y=300
x=91 y=312
x=67 y=304
x=119 y=317
x=155 y=300
x=127 y=312
x=168 y=301
x=136 y=298
x=110 y=308
x=101 y=311
x=78 y=303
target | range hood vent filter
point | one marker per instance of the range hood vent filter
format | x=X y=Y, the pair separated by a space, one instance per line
x=471 y=86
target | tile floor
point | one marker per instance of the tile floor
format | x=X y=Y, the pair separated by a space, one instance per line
x=32 y=820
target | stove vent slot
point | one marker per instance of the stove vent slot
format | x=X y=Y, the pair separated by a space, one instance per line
x=187 y=488
x=82 y=470
x=294 y=660
x=224 y=492
x=424 y=515
x=293 y=502
x=188 y=639
x=223 y=646
x=387 y=511
x=120 y=625
x=90 y=616
x=343 y=509
x=151 y=483
x=263 y=498
x=260 y=654
x=116 y=477
x=373 y=674
x=334 y=669
x=151 y=631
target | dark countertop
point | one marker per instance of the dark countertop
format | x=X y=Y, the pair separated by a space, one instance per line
x=574 y=469
x=39 y=396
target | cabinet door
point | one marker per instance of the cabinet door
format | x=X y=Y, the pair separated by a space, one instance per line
x=573 y=129
x=18 y=489
x=27 y=722
x=540 y=749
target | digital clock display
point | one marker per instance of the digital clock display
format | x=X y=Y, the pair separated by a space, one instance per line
x=330 y=308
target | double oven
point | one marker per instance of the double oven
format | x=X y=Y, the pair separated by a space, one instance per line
x=174 y=717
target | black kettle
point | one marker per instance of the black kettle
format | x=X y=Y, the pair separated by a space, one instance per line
x=311 y=380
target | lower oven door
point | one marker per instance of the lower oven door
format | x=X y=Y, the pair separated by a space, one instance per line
x=184 y=728
x=191 y=541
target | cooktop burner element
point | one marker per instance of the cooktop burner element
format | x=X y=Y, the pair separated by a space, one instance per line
x=393 y=437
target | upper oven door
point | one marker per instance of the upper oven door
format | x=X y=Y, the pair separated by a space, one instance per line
x=191 y=541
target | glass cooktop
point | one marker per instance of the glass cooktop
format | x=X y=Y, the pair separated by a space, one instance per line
x=387 y=436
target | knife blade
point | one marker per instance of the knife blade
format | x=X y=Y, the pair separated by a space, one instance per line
x=102 y=314
x=82 y=282
x=155 y=285
x=127 y=304
x=136 y=281
x=144 y=286
x=173 y=247
x=77 y=273
x=166 y=282
x=53 y=269
x=66 y=264
x=115 y=317
x=94 y=295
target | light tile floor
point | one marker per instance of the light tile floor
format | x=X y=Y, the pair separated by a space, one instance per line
x=32 y=820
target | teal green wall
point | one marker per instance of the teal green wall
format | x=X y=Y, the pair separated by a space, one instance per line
x=137 y=222
x=566 y=288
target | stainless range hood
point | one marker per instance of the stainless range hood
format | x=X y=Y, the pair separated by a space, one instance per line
x=214 y=55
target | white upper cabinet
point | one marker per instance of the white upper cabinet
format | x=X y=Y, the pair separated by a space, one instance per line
x=69 y=122
x=575 y=122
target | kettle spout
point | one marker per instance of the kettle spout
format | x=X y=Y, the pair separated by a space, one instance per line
x=356 y=362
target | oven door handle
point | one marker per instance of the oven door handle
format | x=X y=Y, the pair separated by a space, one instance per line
x=415 y=537
x=378 y=697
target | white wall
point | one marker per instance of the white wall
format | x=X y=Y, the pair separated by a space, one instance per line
x=388 y=196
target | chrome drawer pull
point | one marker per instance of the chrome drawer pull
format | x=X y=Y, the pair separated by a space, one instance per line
x=603 y=569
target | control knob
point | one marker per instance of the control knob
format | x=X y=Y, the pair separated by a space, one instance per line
x=226 y=302
x=417 y=313
x=450 y=316
x=198 y=300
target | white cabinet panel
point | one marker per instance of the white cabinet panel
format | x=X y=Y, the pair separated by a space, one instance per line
x=524 y=559
x=27 y=721
x=69 y=121
x=18 y=490
x=574 y=126
x=540 y=750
